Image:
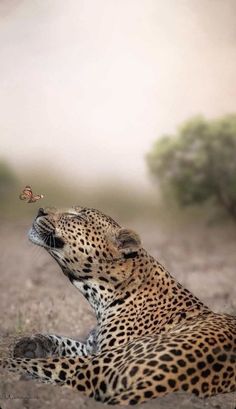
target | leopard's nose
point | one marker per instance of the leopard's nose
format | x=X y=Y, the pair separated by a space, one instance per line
x=41 y=212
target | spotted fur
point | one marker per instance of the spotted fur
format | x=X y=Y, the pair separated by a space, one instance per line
x=152 y=336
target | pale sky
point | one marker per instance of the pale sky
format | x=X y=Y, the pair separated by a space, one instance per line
x=88 y=85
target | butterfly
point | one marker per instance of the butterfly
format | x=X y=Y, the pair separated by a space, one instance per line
x=28 y=195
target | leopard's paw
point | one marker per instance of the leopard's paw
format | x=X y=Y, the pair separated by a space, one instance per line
x=36 y=346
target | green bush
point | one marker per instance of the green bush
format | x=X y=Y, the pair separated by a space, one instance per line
x=198 y=163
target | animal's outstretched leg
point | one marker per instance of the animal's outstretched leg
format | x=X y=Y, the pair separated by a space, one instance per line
x=48 y=370
x=40 y=346
x=104 y=378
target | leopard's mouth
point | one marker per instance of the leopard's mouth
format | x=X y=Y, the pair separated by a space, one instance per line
x=47 y=239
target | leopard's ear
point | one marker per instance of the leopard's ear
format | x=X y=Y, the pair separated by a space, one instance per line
x=127 y=242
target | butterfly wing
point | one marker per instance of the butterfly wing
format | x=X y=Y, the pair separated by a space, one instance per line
x=35 y=198
x=26 y=193
x=23 y=197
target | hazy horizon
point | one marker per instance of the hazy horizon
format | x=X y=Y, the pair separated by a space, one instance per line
x=88 y=86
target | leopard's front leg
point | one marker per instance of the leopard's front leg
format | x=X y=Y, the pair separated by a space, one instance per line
x=40 y=346
x=48 y=370
x=78 y=373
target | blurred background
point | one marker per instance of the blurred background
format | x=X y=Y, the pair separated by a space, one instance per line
x=129 y=107
x=88 y=87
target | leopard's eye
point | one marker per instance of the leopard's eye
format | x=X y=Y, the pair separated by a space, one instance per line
x=76 y=216
x=80 y=217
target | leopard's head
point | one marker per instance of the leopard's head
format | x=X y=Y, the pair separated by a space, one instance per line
x=87 y=244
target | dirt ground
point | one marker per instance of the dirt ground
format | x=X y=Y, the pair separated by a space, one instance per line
x=36 y=297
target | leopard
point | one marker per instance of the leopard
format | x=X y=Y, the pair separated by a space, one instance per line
x=153 y=336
